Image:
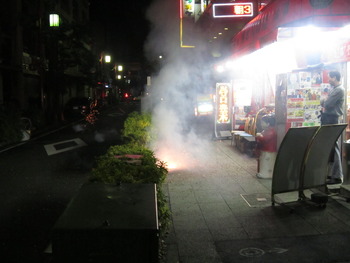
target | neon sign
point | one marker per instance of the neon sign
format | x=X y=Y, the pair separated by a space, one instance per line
x=223 y=115
x=233 y=10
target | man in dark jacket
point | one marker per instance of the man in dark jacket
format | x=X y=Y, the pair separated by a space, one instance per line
x=332 y=110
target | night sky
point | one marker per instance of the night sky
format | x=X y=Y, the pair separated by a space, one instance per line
x=125 y=24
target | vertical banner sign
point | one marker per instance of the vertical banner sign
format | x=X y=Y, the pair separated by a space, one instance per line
x=223 y=113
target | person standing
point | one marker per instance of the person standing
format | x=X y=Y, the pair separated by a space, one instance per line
x=267 y=145
x=332 y=110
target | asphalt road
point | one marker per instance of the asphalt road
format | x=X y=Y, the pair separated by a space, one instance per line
x=40 y=177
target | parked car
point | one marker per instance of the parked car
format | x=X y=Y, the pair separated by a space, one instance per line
x=76 y=108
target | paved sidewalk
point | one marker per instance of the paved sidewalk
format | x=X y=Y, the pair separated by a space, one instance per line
x=222 y=213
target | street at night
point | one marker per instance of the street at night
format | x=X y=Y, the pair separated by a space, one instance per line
x=175 y=131
x=38 y=181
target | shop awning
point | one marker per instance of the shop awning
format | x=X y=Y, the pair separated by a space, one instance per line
x=263 y=29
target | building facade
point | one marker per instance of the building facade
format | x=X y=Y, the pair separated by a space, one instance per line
x=42 y=66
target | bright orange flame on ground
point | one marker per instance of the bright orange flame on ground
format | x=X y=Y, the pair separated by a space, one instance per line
x=171 y=165
x=177 y=156
x=170 y=158
x=174 y=160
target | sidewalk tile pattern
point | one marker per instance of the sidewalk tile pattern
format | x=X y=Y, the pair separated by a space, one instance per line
x=210 y=208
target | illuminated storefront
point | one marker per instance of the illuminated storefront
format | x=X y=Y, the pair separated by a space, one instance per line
x=283 y=57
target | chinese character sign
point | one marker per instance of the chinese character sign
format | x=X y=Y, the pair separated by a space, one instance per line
x=223 y=105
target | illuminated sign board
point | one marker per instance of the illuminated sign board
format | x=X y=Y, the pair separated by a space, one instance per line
x=188 y=7
x=233 y=10
x=223 y=108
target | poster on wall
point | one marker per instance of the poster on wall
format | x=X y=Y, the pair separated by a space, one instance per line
x=188 y=8
x=223 y=110
x=304 y=92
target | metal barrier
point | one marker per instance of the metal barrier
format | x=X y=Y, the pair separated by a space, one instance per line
x=302 y=159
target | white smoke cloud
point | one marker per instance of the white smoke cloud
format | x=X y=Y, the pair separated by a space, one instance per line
x=184 y=73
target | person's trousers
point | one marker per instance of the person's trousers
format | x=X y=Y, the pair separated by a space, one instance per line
x=336 y=169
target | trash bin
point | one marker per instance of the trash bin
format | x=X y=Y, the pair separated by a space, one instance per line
x=346 y=161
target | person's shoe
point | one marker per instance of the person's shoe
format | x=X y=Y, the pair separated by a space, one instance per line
x=334 y=181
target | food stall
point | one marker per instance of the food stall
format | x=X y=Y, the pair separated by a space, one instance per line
x=283 y=57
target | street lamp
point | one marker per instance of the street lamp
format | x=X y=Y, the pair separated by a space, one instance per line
x=54 y=94
x=107 y=58
x=54 y=20
x=120 y=68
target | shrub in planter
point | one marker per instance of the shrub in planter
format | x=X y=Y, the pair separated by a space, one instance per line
x=137 y=129
x=131 y=163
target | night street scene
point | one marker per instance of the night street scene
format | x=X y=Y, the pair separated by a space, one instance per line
x=175 y=131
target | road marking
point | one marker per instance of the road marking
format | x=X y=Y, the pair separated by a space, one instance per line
x=63 y=146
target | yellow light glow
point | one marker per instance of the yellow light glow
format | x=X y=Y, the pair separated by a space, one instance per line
x=107 y=59
x=181 y=28
x=120 y=68
x=119 y=77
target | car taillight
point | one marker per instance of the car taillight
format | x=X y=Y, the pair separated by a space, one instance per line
x=126 y=95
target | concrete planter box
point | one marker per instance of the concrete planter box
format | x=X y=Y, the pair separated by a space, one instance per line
x=108 y=223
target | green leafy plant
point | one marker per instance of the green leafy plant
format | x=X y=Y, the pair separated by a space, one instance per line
x=138 y=129
x=113 y=167
x=133 y=162
x=116 y=167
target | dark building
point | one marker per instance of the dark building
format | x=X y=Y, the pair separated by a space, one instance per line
x=41 y=66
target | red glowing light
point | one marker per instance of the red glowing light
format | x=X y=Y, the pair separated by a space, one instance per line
x=242 y=9
x=233 y=9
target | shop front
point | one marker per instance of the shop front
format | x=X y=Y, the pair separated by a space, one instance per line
x=282 y=58
x=285 y=62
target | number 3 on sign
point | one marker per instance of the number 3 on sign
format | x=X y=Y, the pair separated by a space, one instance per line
x=242 y=9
